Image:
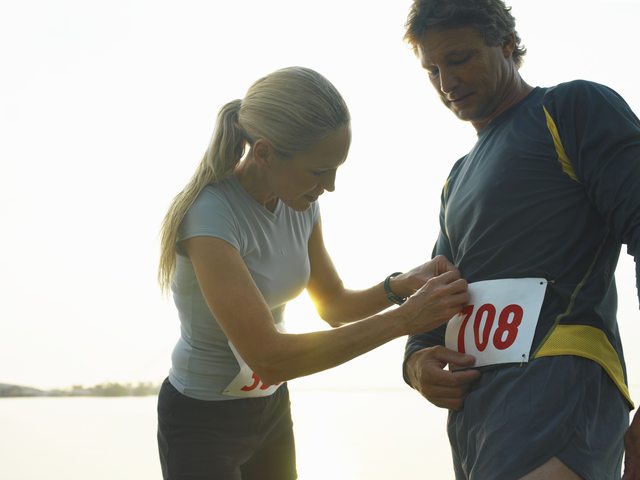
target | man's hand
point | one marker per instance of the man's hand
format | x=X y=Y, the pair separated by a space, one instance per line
x=445 y=389
x=632 y=450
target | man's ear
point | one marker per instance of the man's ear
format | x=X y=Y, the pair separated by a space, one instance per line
x=263 y=152
x=509 y=45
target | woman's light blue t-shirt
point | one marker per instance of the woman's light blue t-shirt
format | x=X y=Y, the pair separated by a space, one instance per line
x=274 y=246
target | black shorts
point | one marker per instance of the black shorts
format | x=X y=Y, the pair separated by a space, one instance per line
x=515 y=419
x=248 y=438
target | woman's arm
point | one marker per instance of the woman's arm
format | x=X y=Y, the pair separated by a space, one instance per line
x=338 y=305
x=243 y=314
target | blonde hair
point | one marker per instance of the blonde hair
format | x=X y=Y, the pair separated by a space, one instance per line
x=292 y=107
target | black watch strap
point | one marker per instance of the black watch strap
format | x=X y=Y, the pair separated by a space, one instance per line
x=387 y=289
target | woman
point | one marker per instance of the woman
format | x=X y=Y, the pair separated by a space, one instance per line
x=238 y=242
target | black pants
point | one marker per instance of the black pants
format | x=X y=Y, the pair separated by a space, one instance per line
x=248 y=439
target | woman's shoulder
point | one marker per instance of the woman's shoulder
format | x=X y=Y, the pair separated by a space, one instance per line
x=215 y=196
x=214 y=202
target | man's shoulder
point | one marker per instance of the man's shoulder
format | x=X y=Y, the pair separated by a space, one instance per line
x=577 y=83
x=578 y=89
x=457 y=165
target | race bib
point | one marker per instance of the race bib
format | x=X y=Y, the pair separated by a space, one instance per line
x=247 y=383
x=500 y=321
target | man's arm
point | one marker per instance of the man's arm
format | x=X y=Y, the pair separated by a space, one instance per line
x=426 y=358
x=603 y=147
x=605 y=154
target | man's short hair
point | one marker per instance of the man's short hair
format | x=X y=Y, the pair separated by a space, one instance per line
x=492 y=18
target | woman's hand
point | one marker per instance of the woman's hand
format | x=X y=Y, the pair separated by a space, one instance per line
x=439 y=299
x=408 y=283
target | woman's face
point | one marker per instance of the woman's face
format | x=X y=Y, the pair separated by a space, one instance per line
x=298 y=181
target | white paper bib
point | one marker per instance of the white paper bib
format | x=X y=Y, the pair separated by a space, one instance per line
x=500 y=321
x=247 y=383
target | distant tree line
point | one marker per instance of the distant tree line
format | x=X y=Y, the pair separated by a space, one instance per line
x=110 y=389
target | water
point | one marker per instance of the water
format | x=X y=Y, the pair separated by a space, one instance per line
x=376 y=435
x=78 y=438
x=341 y=435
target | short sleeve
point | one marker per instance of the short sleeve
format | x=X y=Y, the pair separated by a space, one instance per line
x=315 y=214
x=210 y=215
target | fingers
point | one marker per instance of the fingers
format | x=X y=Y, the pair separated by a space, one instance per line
x=449 y=399
x=450 y=390
x=450 y=382
x=448 y=283
x=453 y=358
x=434 y=268
x=457 y=293
x=445 y=278
x=437 y=301
x=445 y=389
x=449 y=290
x=442 y=265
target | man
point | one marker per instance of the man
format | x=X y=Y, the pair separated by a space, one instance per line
x=534 y=217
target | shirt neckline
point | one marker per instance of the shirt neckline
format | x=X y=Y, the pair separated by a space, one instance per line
x=235 y=183
x=508 y=113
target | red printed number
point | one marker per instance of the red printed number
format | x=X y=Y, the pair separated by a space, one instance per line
x=256 y=382
x=507 y=331
x=482 y=337
x=467 y=311
x=505 y=335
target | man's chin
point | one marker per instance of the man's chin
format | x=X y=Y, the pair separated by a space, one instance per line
x=463 y=115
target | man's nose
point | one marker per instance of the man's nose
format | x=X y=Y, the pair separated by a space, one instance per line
x=448 y=81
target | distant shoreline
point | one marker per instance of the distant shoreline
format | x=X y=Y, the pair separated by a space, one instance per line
x=139 y=389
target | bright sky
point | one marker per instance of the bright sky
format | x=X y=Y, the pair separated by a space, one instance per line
x=107 y=107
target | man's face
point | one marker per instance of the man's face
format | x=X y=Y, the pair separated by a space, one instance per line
x=472 y=79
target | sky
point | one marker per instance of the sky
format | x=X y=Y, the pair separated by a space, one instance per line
x=107 y=107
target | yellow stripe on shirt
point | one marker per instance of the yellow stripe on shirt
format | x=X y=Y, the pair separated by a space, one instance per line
x=587 y=342
x=557 y=142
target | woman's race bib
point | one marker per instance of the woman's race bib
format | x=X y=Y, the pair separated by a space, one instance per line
x=247 y=383
x=500 y=321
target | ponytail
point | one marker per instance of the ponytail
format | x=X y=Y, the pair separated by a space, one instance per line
x=223 y=154
x=293 y=108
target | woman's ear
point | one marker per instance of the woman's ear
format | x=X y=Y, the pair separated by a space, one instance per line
x=263 y=152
